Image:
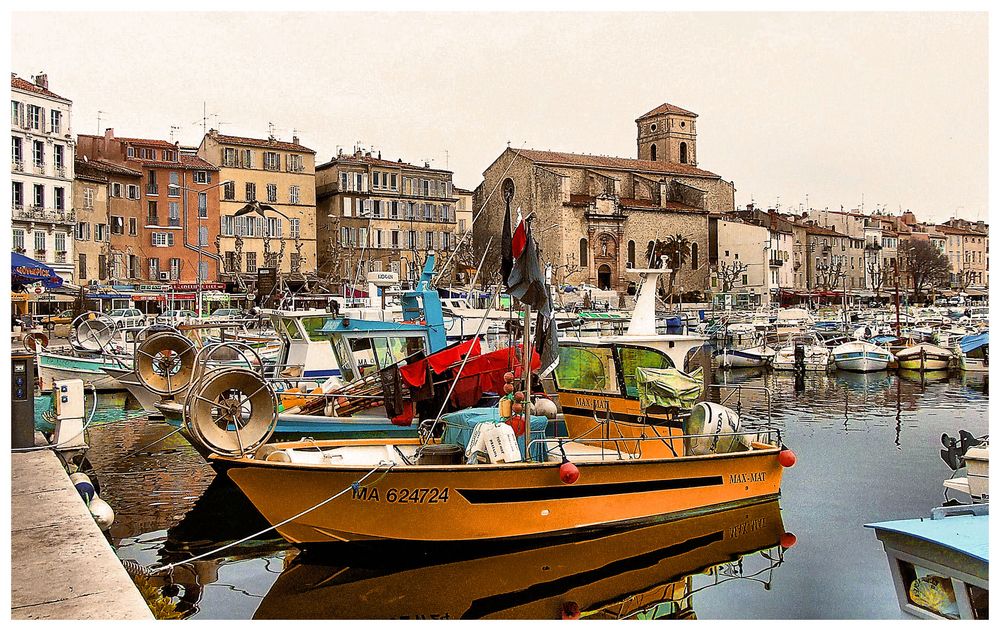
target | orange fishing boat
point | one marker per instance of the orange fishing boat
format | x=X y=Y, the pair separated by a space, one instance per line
x=640 y=572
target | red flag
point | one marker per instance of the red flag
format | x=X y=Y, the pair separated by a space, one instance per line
x=519 y=238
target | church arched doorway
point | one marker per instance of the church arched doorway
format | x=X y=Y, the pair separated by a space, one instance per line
x=604 y=277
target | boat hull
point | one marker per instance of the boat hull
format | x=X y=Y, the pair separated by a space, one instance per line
x=497 y=502
x=52 y=367
x=924 y=357
x=743 y=358
x=146 y=398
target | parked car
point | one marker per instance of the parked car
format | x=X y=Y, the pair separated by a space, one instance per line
x=226 y=315
x=127 y=318
x=177 y=316
x=49 y=321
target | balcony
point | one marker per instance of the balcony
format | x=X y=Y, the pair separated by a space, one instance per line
x=38 y=169
x=152 y=220
x=776 y=262
x=39 y=214
x=174 y=222
x=152 y=189
x=60 y=257
x=61 y=171
x=17 y=166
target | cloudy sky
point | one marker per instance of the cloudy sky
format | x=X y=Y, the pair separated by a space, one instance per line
x=890 y=108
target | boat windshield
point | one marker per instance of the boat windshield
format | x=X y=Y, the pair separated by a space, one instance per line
x=587 y=369
x=633 y=358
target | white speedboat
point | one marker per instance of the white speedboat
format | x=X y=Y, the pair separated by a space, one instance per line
x=861 y=356
x=817 y=356
x=750 y=357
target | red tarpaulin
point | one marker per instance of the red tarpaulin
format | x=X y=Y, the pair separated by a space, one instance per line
x=485 y=374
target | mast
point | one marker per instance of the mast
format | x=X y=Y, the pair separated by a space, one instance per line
x=526 y=353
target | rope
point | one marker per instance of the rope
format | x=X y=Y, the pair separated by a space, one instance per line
x=93 y=410
x=354 y=486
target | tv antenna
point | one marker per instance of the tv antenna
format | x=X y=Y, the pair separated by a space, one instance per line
x=204 y=118
x=100 y=132
x=173 y=128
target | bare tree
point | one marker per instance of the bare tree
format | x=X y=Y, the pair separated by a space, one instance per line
x=728 y=272
x=926 y=266
x=829 y=275
x=879 y=272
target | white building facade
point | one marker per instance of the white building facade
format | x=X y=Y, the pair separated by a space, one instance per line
x=744 y=262
x=42 y=154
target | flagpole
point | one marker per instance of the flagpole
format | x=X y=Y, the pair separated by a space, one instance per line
x=526 y=351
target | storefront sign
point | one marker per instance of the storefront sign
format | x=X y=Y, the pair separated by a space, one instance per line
x=196 y=286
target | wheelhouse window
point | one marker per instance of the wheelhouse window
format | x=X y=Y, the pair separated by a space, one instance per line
x=633 y=358
x=587 y=369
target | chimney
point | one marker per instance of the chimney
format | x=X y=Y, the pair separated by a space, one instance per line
x=42 y=81
x=663 y=193
x=109 y=133
x=368 y=154
x=295 y=140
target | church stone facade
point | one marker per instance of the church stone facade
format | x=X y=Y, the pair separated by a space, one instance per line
x=596 y=215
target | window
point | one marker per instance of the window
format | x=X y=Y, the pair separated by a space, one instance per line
x=39 y=195
x=201 y=177
x=19 y=240
x=202 y=235
x=203 y=205
x=294 y=163
x=684 y=153
x=429 y=239
x=175 y=269
x=16 y=113
x=82 y=266
x=15 y=153
x=133 y=226
x=251 y=262
x=246 y=158
x=162 y=239
x=229 y=190
x=395 y=239
x=251 y=191
x=587 y=370
x=117 y=225
x=173 y=214
x=394 y=210
x=174 y=188
x=583 y=253
x=116 y=189
x=34 y=117
x=57 y=156
x=154 y=269
x=293 y=194
x=694 y=256
x=392 y=181
x=634 y=358
x=60 y=239
x=82 y=231
x=272 y=161
x=151 y=217
x=38 y=153
x=347 y=206
x=55 y=122
x=169 y=155
x=272 y=192
x=229 y=157
x=39 y=241
x=132 y=191
x=151 y=187
x=411 y=241
x=17 y=194
x=294 y=228
x=652 y=152
x=102 y=266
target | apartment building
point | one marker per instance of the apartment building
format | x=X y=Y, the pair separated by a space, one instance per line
x=175 y=219
x=380 y=215
x=107 y=236
x=273 y=172
x=42 y=150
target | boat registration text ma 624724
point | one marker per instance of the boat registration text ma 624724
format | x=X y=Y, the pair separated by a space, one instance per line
x=432 y=495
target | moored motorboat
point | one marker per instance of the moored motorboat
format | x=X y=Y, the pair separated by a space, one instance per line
x=816 y=357
x=975 y=352
x=924 y=357
x=861 y=356
x=750 y=357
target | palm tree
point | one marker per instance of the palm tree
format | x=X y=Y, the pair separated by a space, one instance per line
x=677 y=249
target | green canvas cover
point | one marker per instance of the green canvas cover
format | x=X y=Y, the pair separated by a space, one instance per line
x=668 y=387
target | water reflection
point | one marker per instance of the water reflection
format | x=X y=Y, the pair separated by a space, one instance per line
x=643 y=572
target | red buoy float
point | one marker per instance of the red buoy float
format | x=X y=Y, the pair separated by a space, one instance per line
x=569 y=473
x=570 y=611
x=788 y=540
x=786 y=458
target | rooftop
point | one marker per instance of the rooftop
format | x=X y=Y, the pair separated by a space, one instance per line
x=610 y=162
x=265 y=143
x=666 y=108
x=368 y=159
x=28 y=86
x=103 y=166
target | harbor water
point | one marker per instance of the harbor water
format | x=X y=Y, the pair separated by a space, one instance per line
x=867 y=447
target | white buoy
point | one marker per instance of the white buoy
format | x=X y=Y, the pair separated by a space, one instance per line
x=102 y=513
x=544 y=407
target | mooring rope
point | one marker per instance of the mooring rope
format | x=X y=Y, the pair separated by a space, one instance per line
x=354 y=486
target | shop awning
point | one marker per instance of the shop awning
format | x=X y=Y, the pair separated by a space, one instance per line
x=25 y=271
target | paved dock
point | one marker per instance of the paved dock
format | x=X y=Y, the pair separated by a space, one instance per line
x=62 y=567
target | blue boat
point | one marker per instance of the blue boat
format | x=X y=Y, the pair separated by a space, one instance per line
x=940 y=566
x=975 y=352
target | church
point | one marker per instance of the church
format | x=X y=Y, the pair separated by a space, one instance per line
x=596 y=215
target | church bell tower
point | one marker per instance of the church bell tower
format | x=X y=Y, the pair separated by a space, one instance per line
x=667 y=134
